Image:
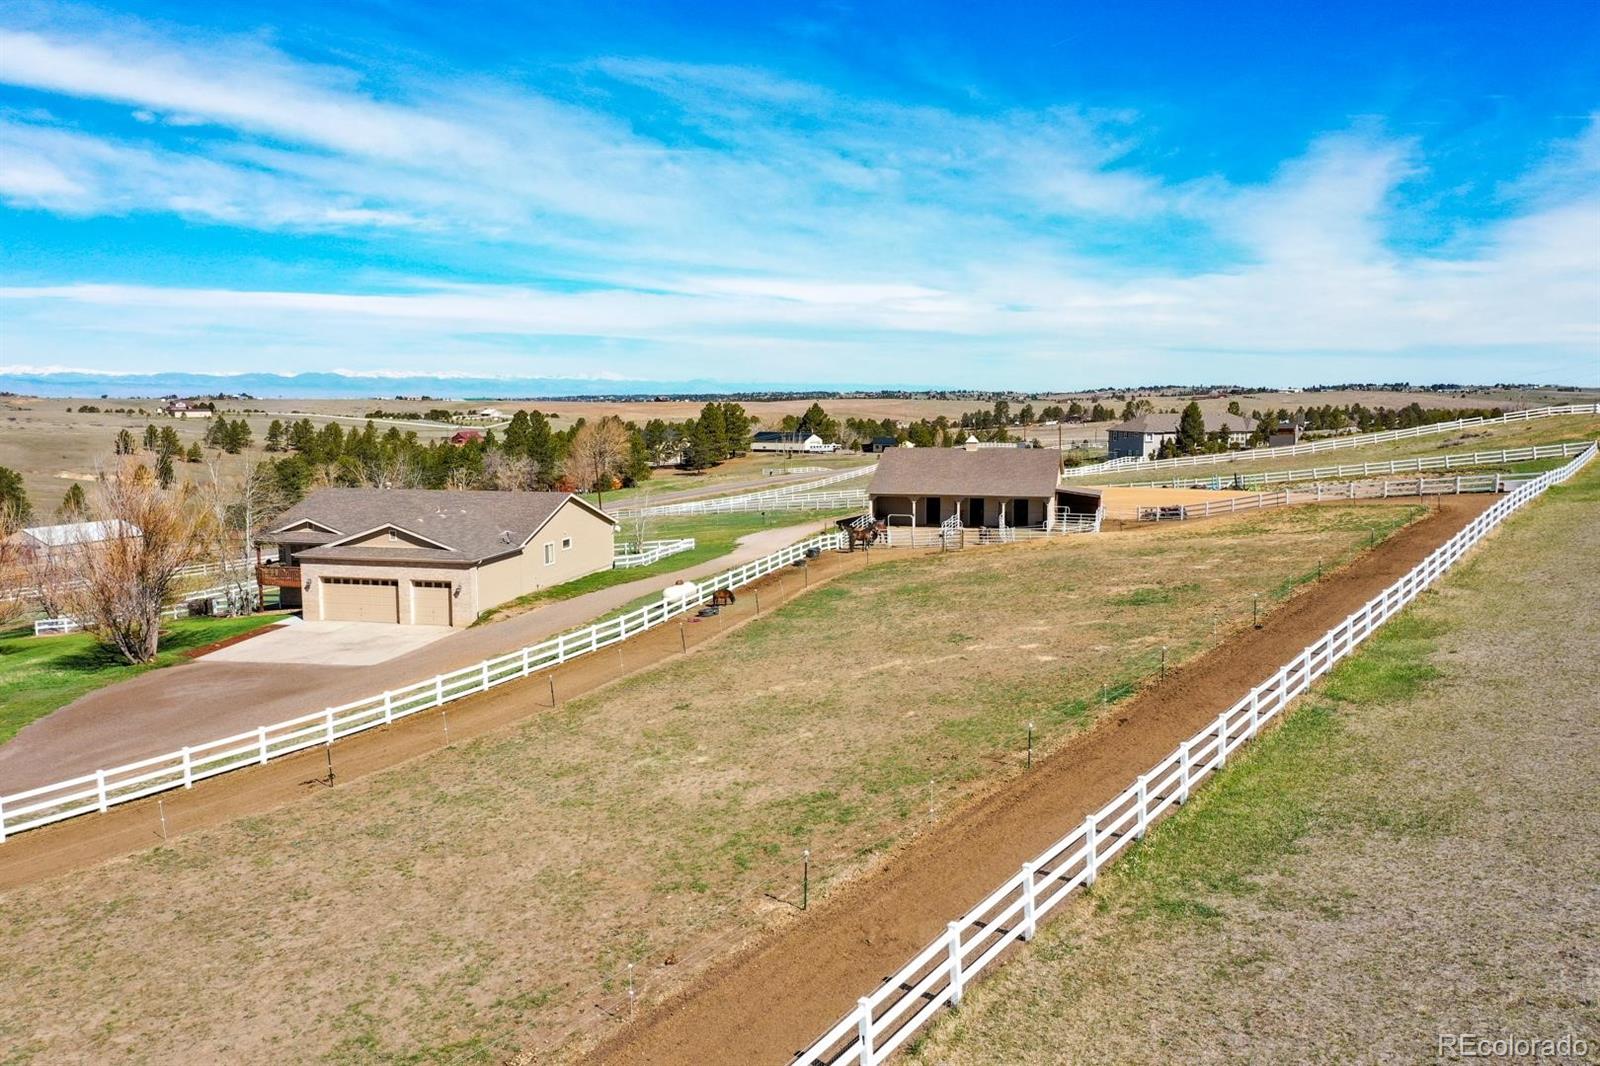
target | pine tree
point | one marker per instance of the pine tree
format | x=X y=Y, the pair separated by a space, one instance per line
x=124 y=444
x=275 y=436
x=73 y=504
x=1191 y=430
x=152 y=437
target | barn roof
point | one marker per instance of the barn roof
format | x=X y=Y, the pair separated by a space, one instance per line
x=1169 y=424
x=1016 y=472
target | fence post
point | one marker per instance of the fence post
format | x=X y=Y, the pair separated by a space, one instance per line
x=1030 y=920
x=955 y=963
x=188 y=768
x=1222 y=740
x=100 y=788
x=1255 y=706
x=1144 y=801
x=261 y=736
x=2 y=823
x=329 y=713
x=388 y=707
x=1091 y=861
x=864 y=1031
x=438 y=689
x=524 y=661
x=1183 y=773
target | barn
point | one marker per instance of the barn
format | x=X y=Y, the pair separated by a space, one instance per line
x=979 y=487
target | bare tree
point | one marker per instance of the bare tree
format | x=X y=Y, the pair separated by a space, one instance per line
x=14 y=577
x=118 y=585
x=509 y=473
x=598 y=454
x=239 y=505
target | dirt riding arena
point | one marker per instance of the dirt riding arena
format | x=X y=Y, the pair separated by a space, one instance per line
x=769 y=1002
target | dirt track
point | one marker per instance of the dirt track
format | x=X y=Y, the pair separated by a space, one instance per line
x=766 y=1003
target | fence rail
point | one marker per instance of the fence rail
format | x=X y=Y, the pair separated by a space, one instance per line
x=1330 y=444
x=650 y=551
x=938 y=975
x=779 y=499
x=1460 y=461
x=953 y=535
x=103 y=789
x=1398 y=488
x=57 y=626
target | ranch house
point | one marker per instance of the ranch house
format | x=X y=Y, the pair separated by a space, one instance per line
x=424 y=557
x=781 y=441
x=1142 y=437
x=980 y=487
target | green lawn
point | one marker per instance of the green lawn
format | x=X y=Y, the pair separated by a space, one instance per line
x=42 y=674
x=715 y=535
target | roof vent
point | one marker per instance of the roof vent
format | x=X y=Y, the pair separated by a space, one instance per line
x=506 y=536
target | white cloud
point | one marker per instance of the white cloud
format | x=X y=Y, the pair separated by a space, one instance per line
x=755 y=214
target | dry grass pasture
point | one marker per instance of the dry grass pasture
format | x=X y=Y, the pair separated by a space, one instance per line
x=1411 y=853
x=488 y=898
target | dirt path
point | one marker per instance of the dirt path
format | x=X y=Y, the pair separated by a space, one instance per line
x=190 y=703
x=85 y=841
x=765 y=1004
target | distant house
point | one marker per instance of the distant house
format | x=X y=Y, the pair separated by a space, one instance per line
x=981 y=487
x=879 y=445
x=783 y=441
x=465 y=436
x=429 y=557
x=185 y=409
x=489 y=412
x=1142 y=437
x=47 y=541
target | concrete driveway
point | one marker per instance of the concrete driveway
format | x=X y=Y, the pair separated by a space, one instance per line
x=330 y=644
x=238 y=688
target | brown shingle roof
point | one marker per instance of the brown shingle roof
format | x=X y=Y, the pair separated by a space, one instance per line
x=470 y=526
x=1015 y=472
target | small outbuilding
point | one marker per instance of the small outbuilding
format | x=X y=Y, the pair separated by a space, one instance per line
x=980 y=487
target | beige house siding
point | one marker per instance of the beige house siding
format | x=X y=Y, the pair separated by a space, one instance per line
x=477 y=588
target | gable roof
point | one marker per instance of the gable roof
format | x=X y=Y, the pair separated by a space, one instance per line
x=779 y=436
x=1169 y=424
x=1017 y=472
x=467 y=526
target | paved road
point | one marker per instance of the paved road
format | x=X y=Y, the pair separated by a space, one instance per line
x=162 y=710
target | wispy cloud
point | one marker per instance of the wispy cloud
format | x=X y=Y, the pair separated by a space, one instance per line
x=714 y=212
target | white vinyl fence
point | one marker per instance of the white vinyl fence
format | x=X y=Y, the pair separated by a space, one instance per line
x=937 y=975
x=1329 y=444
x=57 y=626
x=954 y=535
x=650 y=551
x=801 y=497
x=103 y=789
x=1457 y=461
x=1390 y=488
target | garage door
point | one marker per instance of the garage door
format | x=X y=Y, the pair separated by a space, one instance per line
x=359 y=599
x=430 y=603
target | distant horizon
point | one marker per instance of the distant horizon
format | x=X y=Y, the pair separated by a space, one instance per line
x=64 y=383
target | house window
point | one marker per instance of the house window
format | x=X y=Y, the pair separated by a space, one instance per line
x=566 y=543
x=393 y=535
x=549 y=554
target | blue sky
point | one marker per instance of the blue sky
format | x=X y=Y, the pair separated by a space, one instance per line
x=895 y=193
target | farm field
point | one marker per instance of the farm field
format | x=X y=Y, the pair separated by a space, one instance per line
x=42 y=674
x=1481 y=438
x=1409 y=854
x=485 y=899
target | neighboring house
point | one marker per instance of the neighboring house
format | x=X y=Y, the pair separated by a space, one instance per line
x=778 y=441
x=1286 y=435
x=879 y=445
x=184 y=409
x=981 y=487
x=489 y=412
x=465 y=436
x=429 y=557
x=46 y=541
x=1142 y=437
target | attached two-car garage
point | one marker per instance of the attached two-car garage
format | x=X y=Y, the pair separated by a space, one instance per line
x=363 y=599
x=360 y=599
